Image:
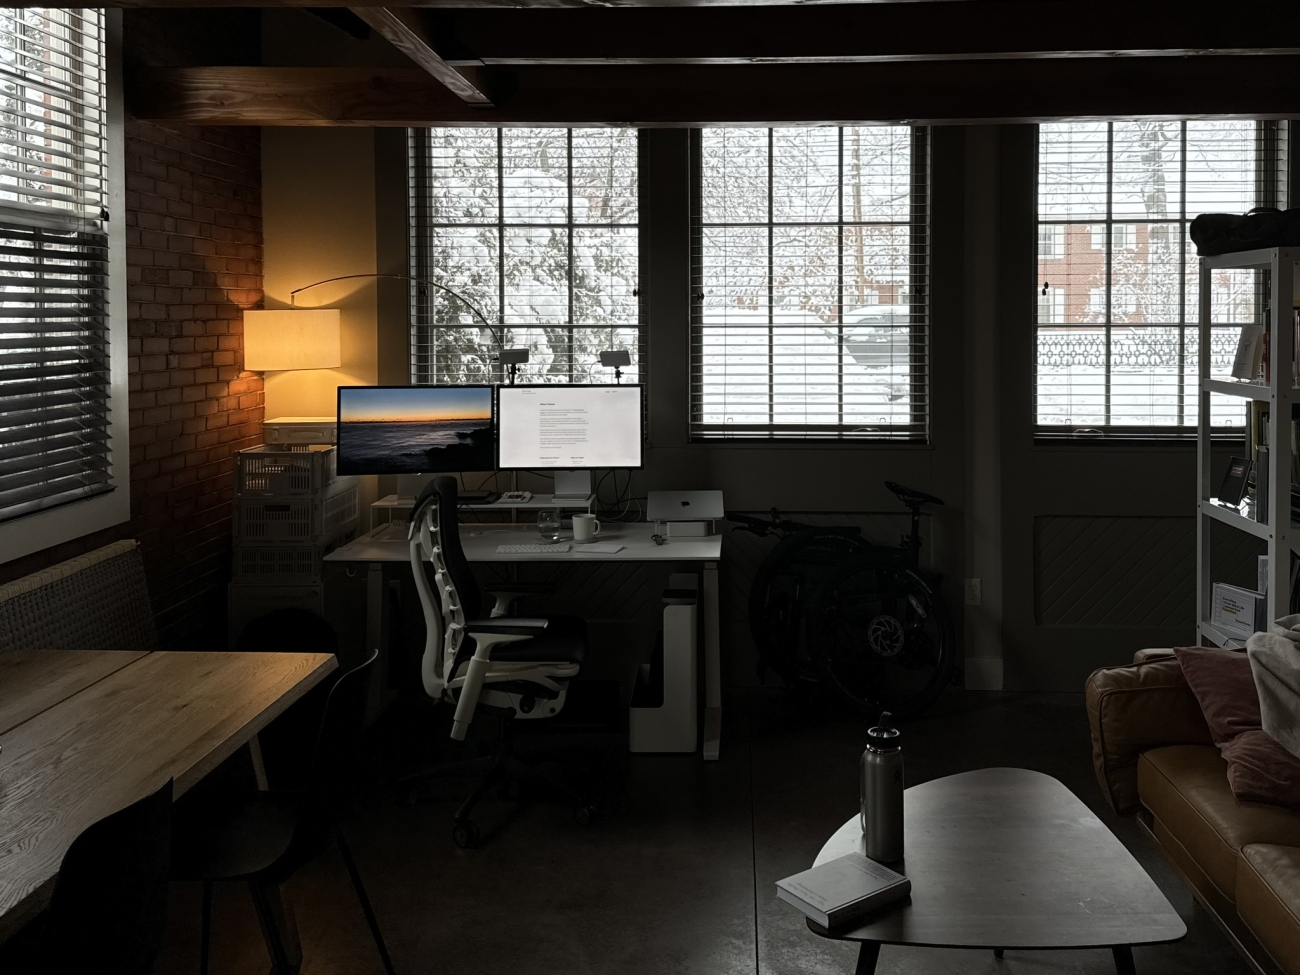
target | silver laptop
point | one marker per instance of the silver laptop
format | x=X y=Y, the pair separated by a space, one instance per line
x=684 y=506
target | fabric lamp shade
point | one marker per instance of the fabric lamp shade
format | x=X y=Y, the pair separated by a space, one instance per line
x=292 y=338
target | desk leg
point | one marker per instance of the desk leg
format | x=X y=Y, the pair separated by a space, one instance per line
x=374 y=606
x=712 y=664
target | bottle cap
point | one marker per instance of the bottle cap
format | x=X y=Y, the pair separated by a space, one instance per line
x=884 y=735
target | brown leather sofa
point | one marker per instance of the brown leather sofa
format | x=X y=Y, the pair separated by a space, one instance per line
x=1154 y=757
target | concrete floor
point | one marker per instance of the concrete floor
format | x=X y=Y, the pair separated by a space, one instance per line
x=678 y=878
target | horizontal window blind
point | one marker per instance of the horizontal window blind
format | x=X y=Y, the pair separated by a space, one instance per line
x=811 y=272
x=535 y=232
x=1118 y=275
x=54 y=339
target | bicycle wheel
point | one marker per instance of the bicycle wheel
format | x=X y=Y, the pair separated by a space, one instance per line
x=784 y=581
x=882 y=636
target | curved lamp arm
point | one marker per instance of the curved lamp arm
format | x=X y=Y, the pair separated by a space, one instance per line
x=499 y=336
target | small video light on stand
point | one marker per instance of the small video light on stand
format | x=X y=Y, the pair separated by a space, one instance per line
x=512 y=359
x=615 y=359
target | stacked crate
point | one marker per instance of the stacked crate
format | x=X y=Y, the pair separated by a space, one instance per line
x=291 y=510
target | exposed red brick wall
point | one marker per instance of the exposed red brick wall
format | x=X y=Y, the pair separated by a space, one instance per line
x=194 y=262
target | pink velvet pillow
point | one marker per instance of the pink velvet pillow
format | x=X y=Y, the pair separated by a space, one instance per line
x=1259 y=769
x=1224 y=688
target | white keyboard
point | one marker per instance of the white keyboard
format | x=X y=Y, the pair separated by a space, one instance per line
x=533 y=548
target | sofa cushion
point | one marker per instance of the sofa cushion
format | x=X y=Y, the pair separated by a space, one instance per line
x=1261 y=770
x=1268 y=900
x=1186 y=788
x=1224 y=687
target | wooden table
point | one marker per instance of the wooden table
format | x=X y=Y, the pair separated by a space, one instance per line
x=1007 y=858
x=111 y=733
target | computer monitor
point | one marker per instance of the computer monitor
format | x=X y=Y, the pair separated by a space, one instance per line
x=563 y=427
x=415 y=429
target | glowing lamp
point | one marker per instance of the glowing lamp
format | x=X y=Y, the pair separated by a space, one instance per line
x=292 y=338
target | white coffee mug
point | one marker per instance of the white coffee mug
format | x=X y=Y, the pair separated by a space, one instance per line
x=585 y=528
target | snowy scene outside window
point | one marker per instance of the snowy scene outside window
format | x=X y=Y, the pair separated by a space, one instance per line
x=810 y=294
x=537 y=230
x=1117 y=351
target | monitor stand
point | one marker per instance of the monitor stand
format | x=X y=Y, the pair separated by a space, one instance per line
x=572 y=485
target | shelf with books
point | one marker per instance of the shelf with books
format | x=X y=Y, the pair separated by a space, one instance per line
x=1272 y=431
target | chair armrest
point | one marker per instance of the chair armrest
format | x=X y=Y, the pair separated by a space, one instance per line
x=1133 y=709
x=508 y=625
x=508 y=593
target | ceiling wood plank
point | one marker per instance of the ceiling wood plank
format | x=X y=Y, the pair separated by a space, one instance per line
x=865 y=32
x=931 y=93
x=406 y=31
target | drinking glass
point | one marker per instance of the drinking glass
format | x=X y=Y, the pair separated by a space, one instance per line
x=548 y=524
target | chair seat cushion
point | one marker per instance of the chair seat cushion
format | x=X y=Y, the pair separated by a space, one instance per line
x=1268 y=899
x=1186 y=788
x=563 y=641
x=234 y=837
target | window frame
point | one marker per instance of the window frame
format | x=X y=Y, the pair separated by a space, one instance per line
x=1273 y=142
x=52 y=526
x=921 y=192
x=420 y=233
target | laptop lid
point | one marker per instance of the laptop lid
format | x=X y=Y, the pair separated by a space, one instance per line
x=684 y=506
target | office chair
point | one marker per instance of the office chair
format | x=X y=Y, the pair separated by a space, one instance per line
x=108 y=910
x=511 y=668
x=263 y=838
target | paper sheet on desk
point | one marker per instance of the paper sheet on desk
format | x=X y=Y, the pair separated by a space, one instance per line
x=600 y=548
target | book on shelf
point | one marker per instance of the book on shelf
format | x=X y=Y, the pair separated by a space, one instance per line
x=1249 y=360
x=843 y=889
x=1238 y=612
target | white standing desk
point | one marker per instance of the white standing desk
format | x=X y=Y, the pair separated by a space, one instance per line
x=480 y=540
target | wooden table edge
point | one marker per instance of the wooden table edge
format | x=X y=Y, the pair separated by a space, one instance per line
x=21 y=913
x=847 y=937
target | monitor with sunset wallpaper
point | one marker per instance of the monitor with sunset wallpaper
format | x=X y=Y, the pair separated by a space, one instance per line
x=415 y=429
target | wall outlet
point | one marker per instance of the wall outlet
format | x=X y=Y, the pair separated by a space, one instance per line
x=974 y=595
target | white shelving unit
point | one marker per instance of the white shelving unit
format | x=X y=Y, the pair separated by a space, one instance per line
x=1280 y=392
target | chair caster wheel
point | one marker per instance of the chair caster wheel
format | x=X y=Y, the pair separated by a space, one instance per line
x=584 y=815
x=465 y=835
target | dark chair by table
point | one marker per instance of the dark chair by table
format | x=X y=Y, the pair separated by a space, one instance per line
x=108 y=911
x=263 y=838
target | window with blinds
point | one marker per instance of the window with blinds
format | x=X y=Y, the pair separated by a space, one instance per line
x=523 y=238
x=1118 y=276
x=54 y=330
x=811 y=271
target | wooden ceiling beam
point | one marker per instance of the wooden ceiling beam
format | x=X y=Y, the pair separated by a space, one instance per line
x=931 y=93
x=864 y=32
x=406 y=31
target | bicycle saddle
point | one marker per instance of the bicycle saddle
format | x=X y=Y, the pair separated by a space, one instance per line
x=910 y=496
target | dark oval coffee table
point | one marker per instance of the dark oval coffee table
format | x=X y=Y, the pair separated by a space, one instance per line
x=1007 y=858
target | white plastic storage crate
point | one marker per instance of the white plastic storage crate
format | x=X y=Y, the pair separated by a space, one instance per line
x=284 y=565
x=247 y=603
x=315 y=520
x=284 y=471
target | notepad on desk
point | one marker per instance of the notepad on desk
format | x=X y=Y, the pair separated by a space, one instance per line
x=843 y=889
x=600 y=548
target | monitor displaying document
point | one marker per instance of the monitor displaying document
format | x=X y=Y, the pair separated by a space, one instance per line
x=415 y=429
x=569 y=427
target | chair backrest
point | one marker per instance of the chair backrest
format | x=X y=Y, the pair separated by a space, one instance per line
x=331 y=764
x=108 y=911
x=453 y=556
x=97 y=601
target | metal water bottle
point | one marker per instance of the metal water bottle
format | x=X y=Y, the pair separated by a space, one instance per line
x=882 y=793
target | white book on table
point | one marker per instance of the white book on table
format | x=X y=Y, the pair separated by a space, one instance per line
x=843 y=889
